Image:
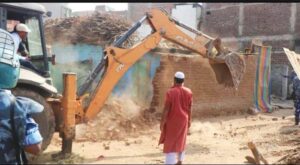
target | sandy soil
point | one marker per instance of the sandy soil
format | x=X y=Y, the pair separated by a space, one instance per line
x=214 y=140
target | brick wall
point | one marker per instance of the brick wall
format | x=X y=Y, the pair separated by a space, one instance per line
x=276 y=24
x=221 y=22
x=211 y=94
x=297 y=20
x=267 y=19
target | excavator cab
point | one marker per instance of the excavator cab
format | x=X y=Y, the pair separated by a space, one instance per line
x=31 y=84
x=32 y=15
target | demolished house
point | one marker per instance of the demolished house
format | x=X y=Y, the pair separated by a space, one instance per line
x=78 y=43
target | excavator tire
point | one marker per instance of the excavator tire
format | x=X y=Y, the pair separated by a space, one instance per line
x=45 y=119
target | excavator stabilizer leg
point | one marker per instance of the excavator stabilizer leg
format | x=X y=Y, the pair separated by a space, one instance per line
x=69 y=102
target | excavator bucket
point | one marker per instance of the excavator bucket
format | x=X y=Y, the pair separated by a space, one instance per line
x=215 y=51
x=234 y=62
x=237 y=66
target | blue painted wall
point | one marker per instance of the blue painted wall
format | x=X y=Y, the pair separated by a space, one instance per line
x=136 y=83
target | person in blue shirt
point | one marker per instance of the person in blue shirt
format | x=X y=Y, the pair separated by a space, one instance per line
x=19 y=133
x=296 y=94
x=291 y=76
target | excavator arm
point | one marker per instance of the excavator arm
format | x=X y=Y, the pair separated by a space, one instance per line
x=117 y=60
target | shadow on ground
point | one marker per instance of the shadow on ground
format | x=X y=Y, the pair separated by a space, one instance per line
x=46 y=158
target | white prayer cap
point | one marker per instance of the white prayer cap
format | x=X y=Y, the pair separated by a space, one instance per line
x=22 y=28
x=179 y=75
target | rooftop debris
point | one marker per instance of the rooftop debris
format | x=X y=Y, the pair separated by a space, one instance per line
x=98 y=29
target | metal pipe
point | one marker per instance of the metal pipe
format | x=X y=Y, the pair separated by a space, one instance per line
x=44 y=49
x=121 y=40
x=191 y=29
x=83 y=88
x=101 y=65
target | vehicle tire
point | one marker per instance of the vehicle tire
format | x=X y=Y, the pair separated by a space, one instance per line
x=45 y=119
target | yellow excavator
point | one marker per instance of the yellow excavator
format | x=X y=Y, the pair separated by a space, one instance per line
x=63 y=112
x=82 y=106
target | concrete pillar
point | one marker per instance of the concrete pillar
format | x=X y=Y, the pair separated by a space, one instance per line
x=293 y=17
x=241 y=18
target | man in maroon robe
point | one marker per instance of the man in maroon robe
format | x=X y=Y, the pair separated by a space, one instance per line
x=176 y=120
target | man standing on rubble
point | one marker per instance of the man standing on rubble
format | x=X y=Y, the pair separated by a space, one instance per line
x=176 y=120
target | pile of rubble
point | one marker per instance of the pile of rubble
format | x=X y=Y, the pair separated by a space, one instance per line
x=292 y=158
x=97 y=29
x=118 y=119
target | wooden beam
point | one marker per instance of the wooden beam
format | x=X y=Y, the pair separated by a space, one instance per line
x=257 y=155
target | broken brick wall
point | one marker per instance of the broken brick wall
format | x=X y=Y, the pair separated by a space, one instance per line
x=211 y=96
x=275 y=24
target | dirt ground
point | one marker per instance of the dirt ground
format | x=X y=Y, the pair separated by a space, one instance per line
x=214 y=140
